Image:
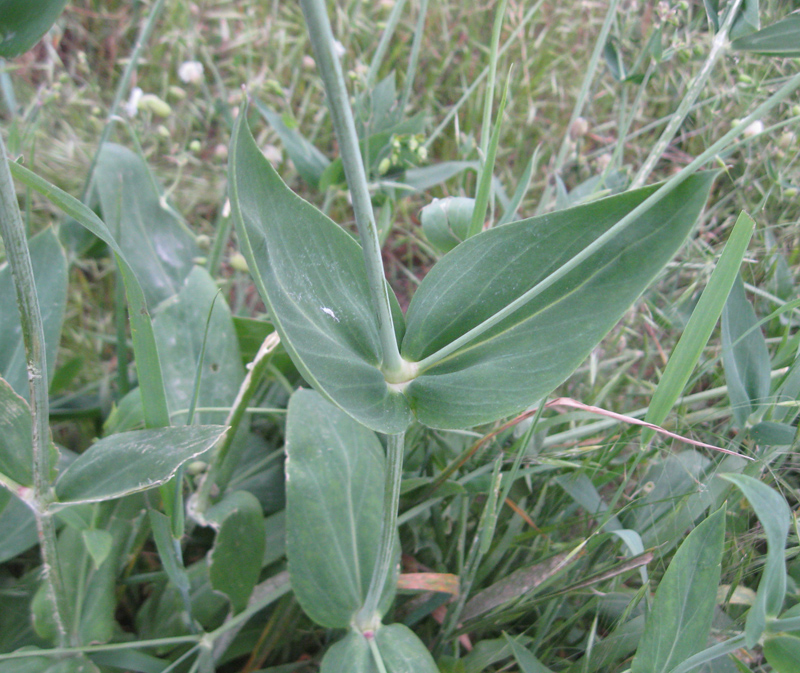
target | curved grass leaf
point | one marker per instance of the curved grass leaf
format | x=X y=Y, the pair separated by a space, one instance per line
x=701 y=323
x=529 y=352
x=680 y=620
x=311 y=275
x=334 y=502
x=133 y=461
x=779 y=39
x=775 y=517
x=50 y=274
x=744 y=356
x=22 y=23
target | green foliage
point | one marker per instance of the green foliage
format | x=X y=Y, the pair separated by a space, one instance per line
x=22 y=23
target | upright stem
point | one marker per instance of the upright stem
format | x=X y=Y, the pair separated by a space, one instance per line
x=330 y=69
x=391 y=500
x=718 y=46
x=19 y=259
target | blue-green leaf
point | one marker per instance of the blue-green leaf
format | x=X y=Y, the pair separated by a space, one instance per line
x=781 y=39
x=679 y=623
x=744 y=356
x=775 y=517
x=334 y=504
x=525 y=354
x=311 y=275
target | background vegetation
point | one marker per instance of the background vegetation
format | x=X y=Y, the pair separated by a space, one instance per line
x=582 y=473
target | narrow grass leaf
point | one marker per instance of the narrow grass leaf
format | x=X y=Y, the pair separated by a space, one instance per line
x=701 y=323
x=235 y=559
x=22 y=23
x=334 y=503
x=311 y=275
x=507 y=315
x=50 y=274
x=524 y=657
x=744 y=356
x=775 y=517
x=781 y=39
x=307 y=159
x=144 y=346
x=132 y=461
x=680 y=620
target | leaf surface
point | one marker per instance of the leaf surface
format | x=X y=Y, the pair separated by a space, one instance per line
x=530 y=351
x=780 y=39
x=679 y=623
x=311 y=275
x=50 y=275
x=334 y=488
x=133 y=461
x=22 y=23
x=16 y=443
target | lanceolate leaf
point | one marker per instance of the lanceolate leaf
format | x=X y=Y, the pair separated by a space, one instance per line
x=775 y=518
x=779 y=39
x=744 y=355
x=311 y=275
x=133 y=461
x=50 y=273
x=334 y=489
x=532 y=350
x=16 y=447
x=678 y=625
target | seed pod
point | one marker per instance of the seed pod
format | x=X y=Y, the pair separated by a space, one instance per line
x=445 y=222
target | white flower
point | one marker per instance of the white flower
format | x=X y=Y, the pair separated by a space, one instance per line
x=754 y=129
x=338 y=49
x=132 y=106
x=191 y=72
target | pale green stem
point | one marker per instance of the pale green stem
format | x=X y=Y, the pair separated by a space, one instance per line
x=383 y=45
x=583 y=96
x=669 y=186
x=386 y=547
x=12 y=229
x=486 y=127
x=330 y=69
x=122 y=89
x=416 y=46
x=718 y=47
x=199 y=503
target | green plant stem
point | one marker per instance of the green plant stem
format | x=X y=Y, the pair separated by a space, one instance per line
x=413 y=60
x=12 y=229
x=383 y=45
x=718 y=47
x=488 y=100
x=199 y=503
x=385 y=558
x=330 y=69
x=583 y=96
x=670 y=185
x=122 y=88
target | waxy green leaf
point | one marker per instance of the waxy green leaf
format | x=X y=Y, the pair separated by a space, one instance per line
x=311 y=275
x=678 y=625
x=780 y=39
x=23 y=22
x=133 y=461
x=16 y=444
x=399 y=649
x=334 y=503
x=50 y=273
x=775 y=516
x=522 y=358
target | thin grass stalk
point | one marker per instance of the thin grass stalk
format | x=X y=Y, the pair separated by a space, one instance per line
x=395 y=449
x=330 y=69
x=669 y=186
x=486 y=126
x=383 y=45
x=122 y=87
x=416 y=46
x=580 y=103
x=718 y=47
x=12 y=229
